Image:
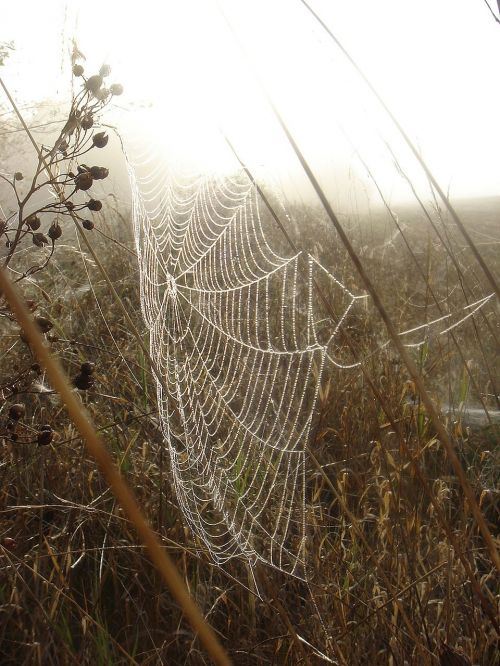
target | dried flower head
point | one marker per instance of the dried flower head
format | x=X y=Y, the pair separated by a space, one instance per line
x=102 y=94
x=100 y=139
x=93 y=83
x=116 y=89
x=33 y=222
x=45 y=435
x=84 y=180
x=17 y=411
x=99 y=173
x=44 y=324
x=9 y=543
x=55 y=231
x=40 y=240
x=94 y=204
x=83 y=382
x=87 y=368
x=87 y=121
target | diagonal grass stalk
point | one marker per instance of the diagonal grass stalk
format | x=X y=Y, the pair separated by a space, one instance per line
x=415 y=152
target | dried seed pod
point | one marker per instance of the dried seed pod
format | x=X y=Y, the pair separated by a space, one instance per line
x=17 y=411
x=84 y=180
x=83 y=382
x=105 y=71
x=87 y=121
x=116 y=89
x=102 y=94
x=18 y=176
x=100 y=139
x=9 y=543
x=45 y=436
x=99 y=173
x=33 y=222
x=88 y=224
x=40 y=240
x=87 y=368
x=69 y=205
x=94 y=204
x=93 y=83
x=78 y=70
x=55 y=231
x=44 y=324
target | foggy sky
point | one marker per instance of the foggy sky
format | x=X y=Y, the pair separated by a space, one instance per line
x=435 y=64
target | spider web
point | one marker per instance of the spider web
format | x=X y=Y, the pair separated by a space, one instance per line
x=234 y=336
x=240 y=341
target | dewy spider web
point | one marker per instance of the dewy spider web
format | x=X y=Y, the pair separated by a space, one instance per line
x=233 y=334
x=239 y=341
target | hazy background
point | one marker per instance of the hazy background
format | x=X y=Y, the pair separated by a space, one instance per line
x=193 y=68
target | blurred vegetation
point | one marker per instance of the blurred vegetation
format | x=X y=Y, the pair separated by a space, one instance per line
x=5 y=49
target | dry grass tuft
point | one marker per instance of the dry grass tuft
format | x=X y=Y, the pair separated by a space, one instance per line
x=386 y=580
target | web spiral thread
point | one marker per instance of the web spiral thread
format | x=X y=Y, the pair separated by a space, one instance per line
x=233 y=334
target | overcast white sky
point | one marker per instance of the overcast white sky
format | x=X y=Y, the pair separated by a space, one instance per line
x=435 y=63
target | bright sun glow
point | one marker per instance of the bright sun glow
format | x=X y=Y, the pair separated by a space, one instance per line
x=193 y=69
